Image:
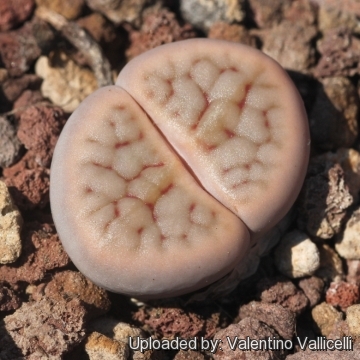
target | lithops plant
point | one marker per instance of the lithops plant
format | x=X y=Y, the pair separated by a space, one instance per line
x=163 y=183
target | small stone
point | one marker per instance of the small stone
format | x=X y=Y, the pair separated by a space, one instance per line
x=248 y=327
x=283 y=292
x=68 y=285
x=19 y=50
x=70 y=9
x=353 y=319
x=107 y=35
x=202 y=13
x=333 y=117
x=231 y=32
x=44 y=327
x=342 y=294
x=39 y=129
x=331 y=268
x=115 y=329
x=13 y=88
x=326 y=355
x=296 y=255
x=334 y=14
x=120 y=11
x=42 y=252
x=100 y=347
x=121 y=331
x=275 y=316
x=8 y=299
x=290 y=44
x=10 y=226
x=28 y=98
x=159 y=26
x=14 y=12
x=9 y=143
x=169 y=322
x=65 y=83
x=325 y=317
x=266 y=13
x=353 y=274
x=313 y=289
x=189 y=355
x=324 y=199
x=347 y=243
x=30 y=188
x=27 y=162
x=349 y=159
x=343 y=48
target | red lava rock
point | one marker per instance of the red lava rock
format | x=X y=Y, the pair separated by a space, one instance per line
x=340 y=51
x=26 y=162
x=18 y=50
x=342 y=294
x=8 y=299
x=158 y=27
x=14 y=12
x=68 y=285
x=30 y=188
x=42 y=251
x=189 y=355
x=282 y=292
x=326 y=355
x=231 y=32
x=302 y=10
x=43 y=328
x=28 y=98
x=39 y=129
x=324 y=200
x=313 y=288
x=9 y=143
x=172 y=322
x=267 y=14
x=275 y=316
x=13 y=88
x=290 y=43
x=248 y=327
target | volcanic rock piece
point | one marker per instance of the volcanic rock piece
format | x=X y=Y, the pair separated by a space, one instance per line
x=161 y=183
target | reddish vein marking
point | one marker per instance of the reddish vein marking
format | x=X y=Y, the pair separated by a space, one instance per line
x=267 y=123
x=153 y=166
x=116 y=209
x=230 y=134
x=119 y=145
x=202 y=112
x=241 y=104
x=207 y=147
x=244 y=182
x=151 y=207
x=167 y=189
x=102 y=166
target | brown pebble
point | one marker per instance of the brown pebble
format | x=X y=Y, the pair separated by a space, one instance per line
x=275 y=316
x=283 y=292
x=313 y=288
